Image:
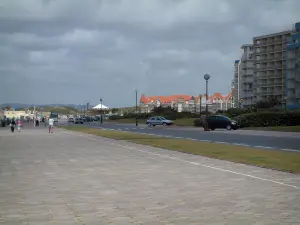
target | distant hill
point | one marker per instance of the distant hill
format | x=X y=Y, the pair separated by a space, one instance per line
x=21 y=105
x=60 y=108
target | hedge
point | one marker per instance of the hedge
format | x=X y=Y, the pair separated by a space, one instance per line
x=168 y=115
x=264 y=119
x=267 y=119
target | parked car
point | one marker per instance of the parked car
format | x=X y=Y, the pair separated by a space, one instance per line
x=158 y=120
x=71 y=120
x=223 y=122
x=78 y=121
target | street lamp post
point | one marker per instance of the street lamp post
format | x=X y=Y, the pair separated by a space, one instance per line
x=101 y=116
x=206 y=78
x=200 y=98
x=136 y=108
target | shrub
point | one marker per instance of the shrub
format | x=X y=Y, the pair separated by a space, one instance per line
x=198 y=123
x=265 y=119
x=233 y=112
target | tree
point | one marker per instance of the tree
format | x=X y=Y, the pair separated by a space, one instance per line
x=270 y=103
x=114 y=110
x=163 y=110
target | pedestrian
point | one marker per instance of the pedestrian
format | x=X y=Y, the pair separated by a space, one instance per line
x=12 y=125
x=19 y=125
x=51 y=123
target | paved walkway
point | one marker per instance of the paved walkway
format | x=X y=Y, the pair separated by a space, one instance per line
x=72 y=178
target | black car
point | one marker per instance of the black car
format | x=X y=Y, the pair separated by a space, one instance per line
x=78 y=121
x=222 y=122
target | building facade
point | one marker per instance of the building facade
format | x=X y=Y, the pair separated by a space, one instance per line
x=245 y=86
x=293 y=69
x=270 y=67
x=236 y=83
x=187 y=103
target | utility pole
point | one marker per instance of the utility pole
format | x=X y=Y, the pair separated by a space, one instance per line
x=136 y=108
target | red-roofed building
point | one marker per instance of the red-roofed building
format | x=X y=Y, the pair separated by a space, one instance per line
x=187 y=103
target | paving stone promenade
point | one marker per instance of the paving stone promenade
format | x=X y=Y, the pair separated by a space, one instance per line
x=72 y=178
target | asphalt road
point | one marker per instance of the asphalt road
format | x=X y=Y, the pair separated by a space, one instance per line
x=258 y=139
x=74 y=178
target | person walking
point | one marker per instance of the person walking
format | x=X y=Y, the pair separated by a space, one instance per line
x=51 y=123
x=12 y=125
x=19 y=125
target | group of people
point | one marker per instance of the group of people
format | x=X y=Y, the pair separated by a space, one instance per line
x=14 y=123
x=19 y=124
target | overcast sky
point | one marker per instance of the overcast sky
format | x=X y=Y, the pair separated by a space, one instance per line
x=74 y=51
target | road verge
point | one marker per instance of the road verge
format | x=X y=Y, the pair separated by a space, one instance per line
x=279 y=160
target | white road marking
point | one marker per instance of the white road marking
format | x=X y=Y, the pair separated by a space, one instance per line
x=198 y=164
x=241 y=144
x=192 y=139
x=168 y=136
x=290 y=150
x=258 y=146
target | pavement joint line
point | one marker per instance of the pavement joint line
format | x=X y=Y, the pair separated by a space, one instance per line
x=199 y=164
x=117 y=143
x=211 y=167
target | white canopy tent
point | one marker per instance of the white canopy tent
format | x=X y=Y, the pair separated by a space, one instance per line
x=100 y=107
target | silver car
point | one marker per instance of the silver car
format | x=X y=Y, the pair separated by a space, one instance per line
x=158 y=120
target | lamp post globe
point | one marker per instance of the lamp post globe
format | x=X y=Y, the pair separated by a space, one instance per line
x=206 y=77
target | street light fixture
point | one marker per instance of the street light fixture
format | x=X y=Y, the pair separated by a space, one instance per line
x=101 y=116
x=136 y=108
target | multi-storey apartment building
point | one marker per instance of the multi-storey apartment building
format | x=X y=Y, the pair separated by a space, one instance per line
x=245 y=87
x=236 y=83
x=270 y=67
x=293 y=69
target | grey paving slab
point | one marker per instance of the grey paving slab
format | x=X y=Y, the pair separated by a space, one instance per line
x=73 y=178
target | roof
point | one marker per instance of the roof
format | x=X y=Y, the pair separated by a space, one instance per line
x=175 y=98
x=100 y=107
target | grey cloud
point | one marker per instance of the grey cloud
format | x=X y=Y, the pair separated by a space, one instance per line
x=72 y=51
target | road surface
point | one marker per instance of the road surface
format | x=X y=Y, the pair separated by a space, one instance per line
x=259 y=139
x=74 y=178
